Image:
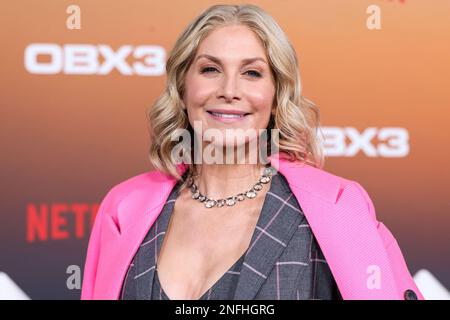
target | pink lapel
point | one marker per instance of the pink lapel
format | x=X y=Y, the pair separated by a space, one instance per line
x=121 y=238
x=345 y=231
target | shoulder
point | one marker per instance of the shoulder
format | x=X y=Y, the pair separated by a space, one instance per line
x=327 y=186
x=148 y=182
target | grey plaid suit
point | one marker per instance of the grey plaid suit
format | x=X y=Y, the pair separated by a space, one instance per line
x=283 y=260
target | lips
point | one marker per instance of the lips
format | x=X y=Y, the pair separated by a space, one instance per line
x=228 y=116
x=228 y=113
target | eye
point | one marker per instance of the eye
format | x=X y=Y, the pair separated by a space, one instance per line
x=256 y=74
x=207 y=69
x=252 y=73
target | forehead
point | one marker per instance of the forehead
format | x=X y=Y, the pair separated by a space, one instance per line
x=233 y=42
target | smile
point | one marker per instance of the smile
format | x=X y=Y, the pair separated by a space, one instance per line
x=227 y=116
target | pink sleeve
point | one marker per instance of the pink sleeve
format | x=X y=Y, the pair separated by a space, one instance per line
x=402 y=275
x=90 y=267
x=401 y=272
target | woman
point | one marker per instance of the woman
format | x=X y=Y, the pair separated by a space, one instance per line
x=276 y=229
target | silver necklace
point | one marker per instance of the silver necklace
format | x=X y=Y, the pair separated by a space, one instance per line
x=230 y=201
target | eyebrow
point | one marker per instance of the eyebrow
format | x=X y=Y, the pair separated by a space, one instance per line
x=217 y=60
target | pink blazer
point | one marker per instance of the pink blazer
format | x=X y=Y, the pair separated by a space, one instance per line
x=361 y=252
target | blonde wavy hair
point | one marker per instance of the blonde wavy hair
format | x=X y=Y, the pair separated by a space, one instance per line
x=296 y=117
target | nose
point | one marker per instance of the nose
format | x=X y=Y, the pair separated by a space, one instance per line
x=229 y=89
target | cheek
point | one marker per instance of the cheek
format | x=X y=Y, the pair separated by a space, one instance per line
x=196 y=97
x=198 y=91
x=262 y=99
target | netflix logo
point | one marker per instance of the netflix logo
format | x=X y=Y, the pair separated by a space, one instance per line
x=59 y=221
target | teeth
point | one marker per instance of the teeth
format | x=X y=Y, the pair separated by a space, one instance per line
x=225 y=115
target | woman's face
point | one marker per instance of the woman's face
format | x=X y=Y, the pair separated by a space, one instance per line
x=229 y=85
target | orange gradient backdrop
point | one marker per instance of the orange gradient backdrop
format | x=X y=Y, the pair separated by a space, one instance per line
x=69 y=138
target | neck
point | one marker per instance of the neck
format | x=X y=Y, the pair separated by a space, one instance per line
x=223 y=180
x=218 y=181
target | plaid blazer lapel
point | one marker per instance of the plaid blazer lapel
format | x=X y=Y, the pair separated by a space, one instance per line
x=275 y=227
x=144 y=263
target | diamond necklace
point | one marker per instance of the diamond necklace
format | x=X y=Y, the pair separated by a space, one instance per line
x=230 y=201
